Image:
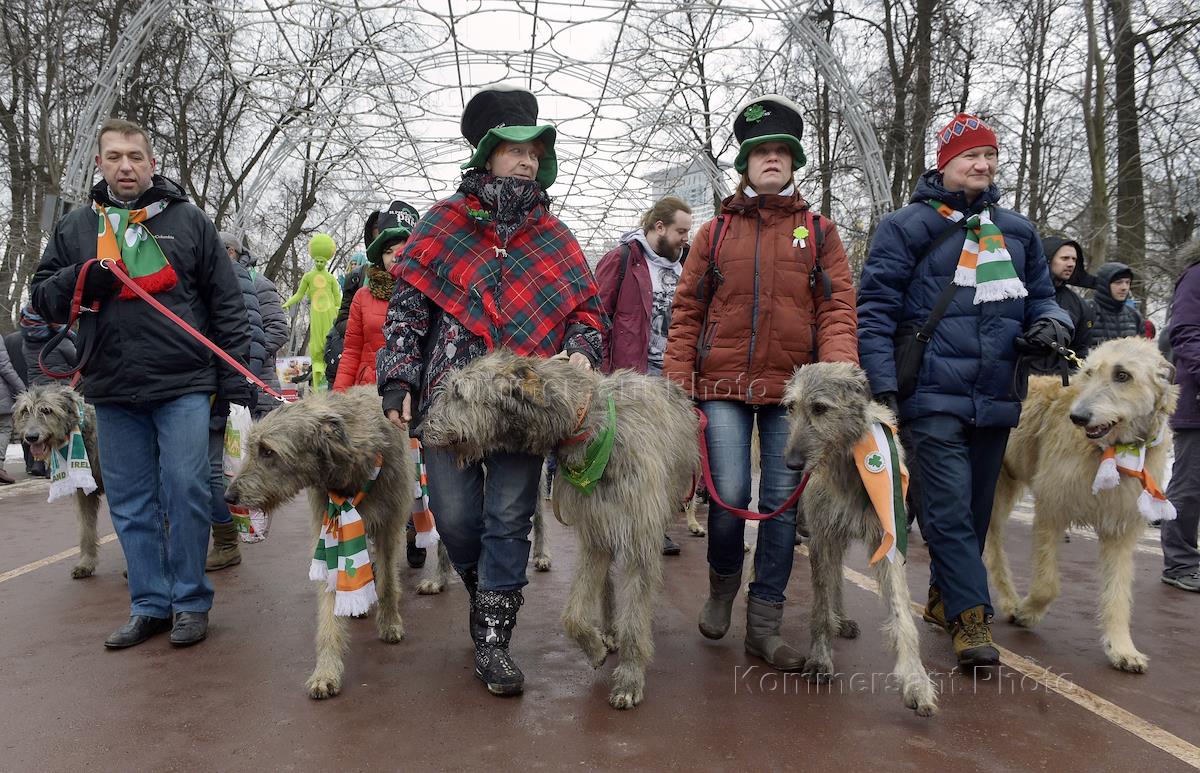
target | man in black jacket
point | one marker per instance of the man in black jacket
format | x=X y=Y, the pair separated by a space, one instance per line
x=1067 y=267
x=153 y=385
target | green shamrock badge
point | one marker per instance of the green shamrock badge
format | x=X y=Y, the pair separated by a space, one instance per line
x=754 y=113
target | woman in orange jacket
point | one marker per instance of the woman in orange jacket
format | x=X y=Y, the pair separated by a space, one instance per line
x=766 y=288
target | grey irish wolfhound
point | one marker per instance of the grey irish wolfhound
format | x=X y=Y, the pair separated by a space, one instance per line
x=502 y=402
x=330 y=442
x=1123 y=394
x=45 y=417
x=831 y=409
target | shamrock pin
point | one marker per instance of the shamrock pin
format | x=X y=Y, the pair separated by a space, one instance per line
x=874 y=462
x=799 y=235
x=755 y=113
x=481 y=215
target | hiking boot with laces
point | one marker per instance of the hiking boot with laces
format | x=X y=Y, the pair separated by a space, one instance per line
x=935 y=609
x=492 y=621
x=972 y=632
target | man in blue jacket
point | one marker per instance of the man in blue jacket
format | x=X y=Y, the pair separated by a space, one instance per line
x=959 y=408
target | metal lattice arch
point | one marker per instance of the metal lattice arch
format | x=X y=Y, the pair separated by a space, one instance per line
x=618 y=122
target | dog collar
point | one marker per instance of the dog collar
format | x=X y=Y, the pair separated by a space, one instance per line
x=588 y=473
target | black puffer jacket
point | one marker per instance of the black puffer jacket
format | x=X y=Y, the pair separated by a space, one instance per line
x=258 y=338
x=140 y=356
x=35 y=333
x=1114 y=319
x=1081 y=314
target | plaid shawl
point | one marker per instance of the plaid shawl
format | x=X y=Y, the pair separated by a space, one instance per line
x=516 y=294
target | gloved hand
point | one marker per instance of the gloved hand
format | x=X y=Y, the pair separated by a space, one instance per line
x=888 y=400
x=1045 y=335
x=218 y=415
x=99 y=284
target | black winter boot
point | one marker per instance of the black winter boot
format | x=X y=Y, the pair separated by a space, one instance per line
x=492 y=621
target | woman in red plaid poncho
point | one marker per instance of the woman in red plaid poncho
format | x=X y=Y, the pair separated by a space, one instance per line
x=488 y=267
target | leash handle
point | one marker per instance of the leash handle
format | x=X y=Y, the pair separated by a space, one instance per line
x=77 y=308
x=125 y=279
x=746 y=515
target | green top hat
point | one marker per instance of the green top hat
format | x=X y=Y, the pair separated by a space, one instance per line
x=769 y=118
x=507 y=114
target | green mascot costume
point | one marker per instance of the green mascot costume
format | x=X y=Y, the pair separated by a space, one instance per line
x=324 y=299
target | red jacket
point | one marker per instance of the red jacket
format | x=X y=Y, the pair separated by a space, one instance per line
x=763 y=321
x=627 y=306
x=364 y=337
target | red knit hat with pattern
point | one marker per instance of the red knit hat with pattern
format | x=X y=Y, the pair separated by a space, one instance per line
x=962 y=134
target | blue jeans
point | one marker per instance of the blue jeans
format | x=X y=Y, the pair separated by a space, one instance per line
x=958 y=466
x=484 y=517
x=730 y=426
x=216 y=479
x=154 y=460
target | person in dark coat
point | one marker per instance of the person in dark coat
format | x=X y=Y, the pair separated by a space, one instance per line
x=1181 y=558
x=274 y=322
x=1114 y=317
x=11 y=385
x=16 y=354
x=33 y=334
x=961 y=405
x=1067 y=269
x=154 y=386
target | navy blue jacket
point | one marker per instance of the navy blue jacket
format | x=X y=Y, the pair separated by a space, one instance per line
x=968 y=367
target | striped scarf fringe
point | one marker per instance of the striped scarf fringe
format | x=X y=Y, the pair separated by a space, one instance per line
x=1129 y=459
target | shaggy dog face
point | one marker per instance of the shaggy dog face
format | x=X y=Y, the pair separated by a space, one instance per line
x=45 y=416
x=828 y=411
x=1124 y=390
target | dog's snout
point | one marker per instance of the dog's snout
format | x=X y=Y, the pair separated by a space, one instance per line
x=32 y=437
x=231 y=497
x=1080 y=418
x=794 y=459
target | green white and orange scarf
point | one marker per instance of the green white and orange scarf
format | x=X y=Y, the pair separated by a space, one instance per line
x=1129 y=459
x=70 y=468
x=885 y=479
x=123 y=239
x=341 y=559
x=984 y=263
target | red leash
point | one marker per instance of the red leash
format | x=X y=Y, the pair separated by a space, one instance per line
x=747 y=515
x=77 y=307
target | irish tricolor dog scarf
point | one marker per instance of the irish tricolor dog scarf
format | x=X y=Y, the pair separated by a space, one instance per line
x=984 y=262
x=341 y=559
x=1129 y=459
x=422 y=516
x=125 y=241
x=70 y=469
x=885 y=480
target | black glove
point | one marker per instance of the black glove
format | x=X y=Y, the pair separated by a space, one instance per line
x=393 y=400
x=99 y=284
x=1045 y=335
x=888 y=400
x=218 y=415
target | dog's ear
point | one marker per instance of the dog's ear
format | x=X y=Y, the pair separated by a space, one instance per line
x=331 y=426
x=526 y=384
x=1166 y=371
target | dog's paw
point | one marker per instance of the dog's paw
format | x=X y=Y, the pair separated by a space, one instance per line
x=817 y=671
x=1026 y=617
x=596 y=650
x=624 y=699
x=920 y=697
x=696 y=530
x=848 y=629
x=430 y=587
x=81 y=570
x=628 y=685
x=542 y=563
x=1131 y=661
x=392 y=633
x=610 y=641
x=321 y=687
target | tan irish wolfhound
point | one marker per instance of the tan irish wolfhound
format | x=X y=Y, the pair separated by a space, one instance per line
x=1123 y=394
x=830 y=409
x=329 y=442
x=44 y=417
x=502 y=402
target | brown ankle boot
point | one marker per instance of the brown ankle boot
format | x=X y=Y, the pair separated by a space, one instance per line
x=763 y=621
x=935 y=609
x=224 y=552
x=972 y=632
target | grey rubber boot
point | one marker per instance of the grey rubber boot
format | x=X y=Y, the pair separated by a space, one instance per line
x=763 y=620
x=718 y=608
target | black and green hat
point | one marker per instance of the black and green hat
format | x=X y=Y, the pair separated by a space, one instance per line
x=395 y=224
x=769 y=118
x=507 y=114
